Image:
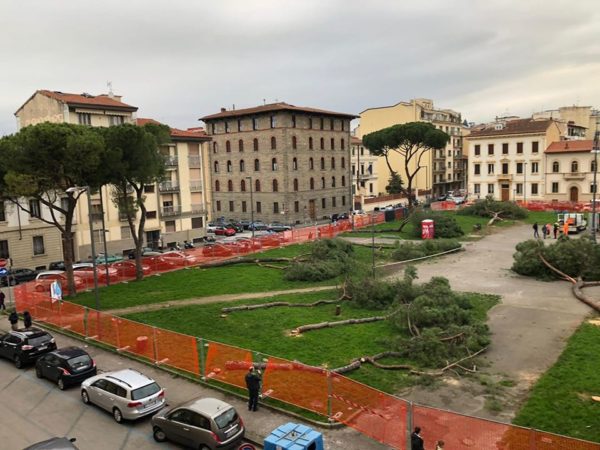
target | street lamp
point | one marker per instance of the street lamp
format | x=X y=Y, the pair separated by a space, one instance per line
x=89 y=199
x=251 y=207
x=596 y=149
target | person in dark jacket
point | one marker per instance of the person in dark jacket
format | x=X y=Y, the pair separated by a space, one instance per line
x=416 y=441
x=253 y=381
x=27 y=319
x=2 y=297
x=13 y=318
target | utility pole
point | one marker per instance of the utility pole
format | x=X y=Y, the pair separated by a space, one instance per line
x=596 y=149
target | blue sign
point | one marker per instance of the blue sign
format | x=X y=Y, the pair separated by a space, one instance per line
x=3 y=272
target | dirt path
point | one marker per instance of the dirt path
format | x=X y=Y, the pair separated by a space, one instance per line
x=529 y=327
x=213 y=299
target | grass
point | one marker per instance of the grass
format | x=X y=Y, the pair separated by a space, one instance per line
x=265 y=331
x=560 y=402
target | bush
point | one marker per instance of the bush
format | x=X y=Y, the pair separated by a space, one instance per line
x=446 y=225
x=411 y=250
x=482 y=208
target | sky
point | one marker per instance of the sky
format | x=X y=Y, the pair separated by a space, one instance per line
x=179 y=60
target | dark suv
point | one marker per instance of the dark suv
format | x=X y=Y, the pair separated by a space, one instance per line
x=26 y=345
x=17 y=276
x=67 y=366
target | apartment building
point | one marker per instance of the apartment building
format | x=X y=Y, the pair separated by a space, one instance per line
x=279 y=162
x=575 y=122
x=507 y=158
x=444 y=170
x=364 y=172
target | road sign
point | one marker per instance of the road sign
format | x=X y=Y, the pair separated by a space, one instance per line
x=3 y=272
x=3 y=262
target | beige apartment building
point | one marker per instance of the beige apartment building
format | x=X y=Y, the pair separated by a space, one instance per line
x=575 y=122
x=279 y=162
x=444 y=170
x=507 y=158
x=364 y=172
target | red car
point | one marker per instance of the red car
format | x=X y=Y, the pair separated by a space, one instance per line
x=86 y=271
x=224 y=231
x=126 y=269
x=170 y=260
x=217 y=250
x=45 y=279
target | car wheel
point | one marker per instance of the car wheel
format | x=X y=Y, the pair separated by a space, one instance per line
x=38 y=372
x=61 y=384
x=18 y=362
x=85 y=398
x=117 y=415
x=159 y=435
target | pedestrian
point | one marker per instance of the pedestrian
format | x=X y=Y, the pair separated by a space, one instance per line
x=416 y=441
x=13 y=318
x=26 y=319
x=548 y=230
x=2 y=297
x=535 y=231
x=544 y=231
x=253 y=381
x=555 y=230
x=439 y=445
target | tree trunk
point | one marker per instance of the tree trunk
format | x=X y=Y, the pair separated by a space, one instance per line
x=67 y=244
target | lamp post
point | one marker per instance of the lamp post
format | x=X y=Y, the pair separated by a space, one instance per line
x=525 y=183
x=104 y=239
x=596 y=149
x=89 y=199
x=251 y=207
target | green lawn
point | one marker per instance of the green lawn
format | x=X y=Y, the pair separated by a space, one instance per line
x=265 y=331
x=561 y=400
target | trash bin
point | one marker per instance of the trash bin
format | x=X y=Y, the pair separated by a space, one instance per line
x=427 y=229
x=141 y=344
x=293 y=436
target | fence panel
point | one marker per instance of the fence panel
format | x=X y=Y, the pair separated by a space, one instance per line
x=72 y=317
x=103 y=327
x=46 y=310
x=135 y=337
x=297 y=384
x=373 y=413
x=549 y=441
x=176 y=350
x=227 y=364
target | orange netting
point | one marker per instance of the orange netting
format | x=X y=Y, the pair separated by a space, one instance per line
x=227 y=364
x=549 y=441
x=103 y=327
x=176 y=350
x=72 y=317
x=135 y=337
x=297 y=384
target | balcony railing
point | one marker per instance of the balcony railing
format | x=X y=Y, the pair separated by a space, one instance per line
x=194 y=162
x=171 y=160
x=198 y=208
x=168 y=186
x=170 y=211
x=196 y=186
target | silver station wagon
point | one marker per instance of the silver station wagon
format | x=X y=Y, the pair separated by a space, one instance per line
x=127 y=394
x=204 y=423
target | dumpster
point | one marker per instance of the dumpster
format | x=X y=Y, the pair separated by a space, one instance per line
x=427 y=229
x=293 y=436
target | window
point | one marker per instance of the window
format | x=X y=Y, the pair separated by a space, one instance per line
x=370 y=188
x=2 y=212
x=244 y=206
x=342 y=143
x=322 y=182
x=323 y=203
x=241 y=145
x=239 y=125
x=331 y=127
x=574 y=167
x=170 y=226
x=275 y=186
x=322 y=144
x=213 y=128
x=125 y=232
x=257 y=185
x=256 y=165
x=310 y=143
x=295 y=164
x=148 y=188
x=344 y=198
x=534 y=188
x=255 y=144
x=231 y=205
x=295 y=184
x=34 y=209
x=258 y=207
x=505 y=149
x=477 y=150
x=215 y=147
x=242 y=165
x=150 y=214
x=555 y=187
x=226 y=127
x=227 y=146
x=490 y=188
x=230 y=186
x=322 y=123
x=294 y=142
x=217 y=185
x=477 y=169
x=519 y=167
x=477 y=188
x=490 y=149
x=343 y=162
x=333 y=182
x=274 y=164
x=504 y=168
x=38 y=245
x=273 y=143
x=332 y=143
x=254 y=123
x=229 y=167
x=555 y=167
x=84 y=118
x=519 y=147
x=296 y=206
x=333 y=202
x=243 y=185
x=218 y=205
x=343 y=180
x=343 y=125
x=535 y=146
x=311 y=164
x=216 y=166
x=273 y=121
x=322 y=163
x=293 y=121
x=115 y=120
x=332 y=162
x=535 y=167
x=310 y=123
x=311 y=184
x=520 y=188
x=197 y=222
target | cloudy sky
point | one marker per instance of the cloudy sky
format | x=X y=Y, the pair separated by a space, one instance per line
x=178 y=60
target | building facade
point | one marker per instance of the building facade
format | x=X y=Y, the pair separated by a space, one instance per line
x=364 y=172
x=279 y=162
x=444 y=170
x=575 y=122
x=507 y=158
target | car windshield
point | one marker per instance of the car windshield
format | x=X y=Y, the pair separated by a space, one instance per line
x=39 y=340
x=146 y=391
x=226 y=419
x=79 y=362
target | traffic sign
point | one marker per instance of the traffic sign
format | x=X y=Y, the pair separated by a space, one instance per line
x=3 y=272
x=3 y=262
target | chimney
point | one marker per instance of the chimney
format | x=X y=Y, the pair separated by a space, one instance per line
x=223 y=109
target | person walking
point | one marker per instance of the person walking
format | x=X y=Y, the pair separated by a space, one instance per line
x=27 y=319
x=439 y=445
x=416 y=441
x=544 y=231
x=555 y=229
x=535 y=231
x=2 y=298
x=13 y=318
x=253 y=380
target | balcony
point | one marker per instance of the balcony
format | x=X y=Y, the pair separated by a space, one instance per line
x=574 y=176
x=169 y=211
x=196 y=186
x=194 y=162
x=168 y=186
x=171 y=161
x=197 y=208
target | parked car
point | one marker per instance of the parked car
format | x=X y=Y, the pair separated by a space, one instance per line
x=237 y=226
x=146 y=251
x=127 y=394
x=245 y=224
x=16 y=276
x=257 y=226
x=56 y=265
x=55 y=443
x=211 y=227
x=128 y=269
x=205 y=423
x=66 y=367
x=86 y=271
x=100 y=259
x=178 y=259
x=44 y=280
x=224 y=231
x=278 y=227
x=26 y=345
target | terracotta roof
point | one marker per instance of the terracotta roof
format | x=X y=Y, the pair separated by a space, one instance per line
x=570 y=146
x=518 y=126
x=102 y=100
x=193 y=133
x=355 y=141
x=281 y=106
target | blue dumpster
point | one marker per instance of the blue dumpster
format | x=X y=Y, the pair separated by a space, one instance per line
x=293 y=436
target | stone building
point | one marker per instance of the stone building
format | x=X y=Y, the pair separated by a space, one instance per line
x=279 y=162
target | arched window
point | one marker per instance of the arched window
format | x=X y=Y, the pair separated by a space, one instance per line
x=312 y=183
x=243 y=185
x=256 y=165
x=227 y=146
x=555 y=167
x=242 y=165
x=310 y=143
x=343 y=163
x=343 y=144
x=295 y=164
x=255 y=144
x=332 y=162
x=294 y=142
x=322 y=163
x=257 y=185
x=216 y=166
x=311 y=164
x=322 y=144
x=332 y=144
x=332 y=181
x=273 y=143
x=274 y=164
x=322 y=182
x=343 y=180
x=230 y=186
x=217 y=186
x=241 y=145
x=275 y=186
x=229 y=167
x=215 y=147
x=574 y=167
x=296 y=184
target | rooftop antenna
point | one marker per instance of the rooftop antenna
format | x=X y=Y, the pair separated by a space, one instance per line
x=111 y=94
x=264 y=101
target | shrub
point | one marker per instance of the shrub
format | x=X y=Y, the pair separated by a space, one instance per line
x=411 y=250
x=446 y=225
x=482 y=208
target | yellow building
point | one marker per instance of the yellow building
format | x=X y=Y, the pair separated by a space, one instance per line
x=575 y=122
x=444 y=170
x=364 y=172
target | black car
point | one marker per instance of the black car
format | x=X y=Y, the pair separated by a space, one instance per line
x=237 y=226
x=57 y=265
x=17 y=276
x=26 y=345
x=67 y=366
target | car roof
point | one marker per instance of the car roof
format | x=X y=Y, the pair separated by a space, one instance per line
x=80 y=265
x=30 y=332
x=209 y=406
x=56 y=443
x=69 y=352
x=51 y=272
x=130 y=377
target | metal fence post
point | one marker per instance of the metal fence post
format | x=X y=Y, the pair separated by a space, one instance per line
x=154 y=345
x=409 y=424
x=200 y=345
